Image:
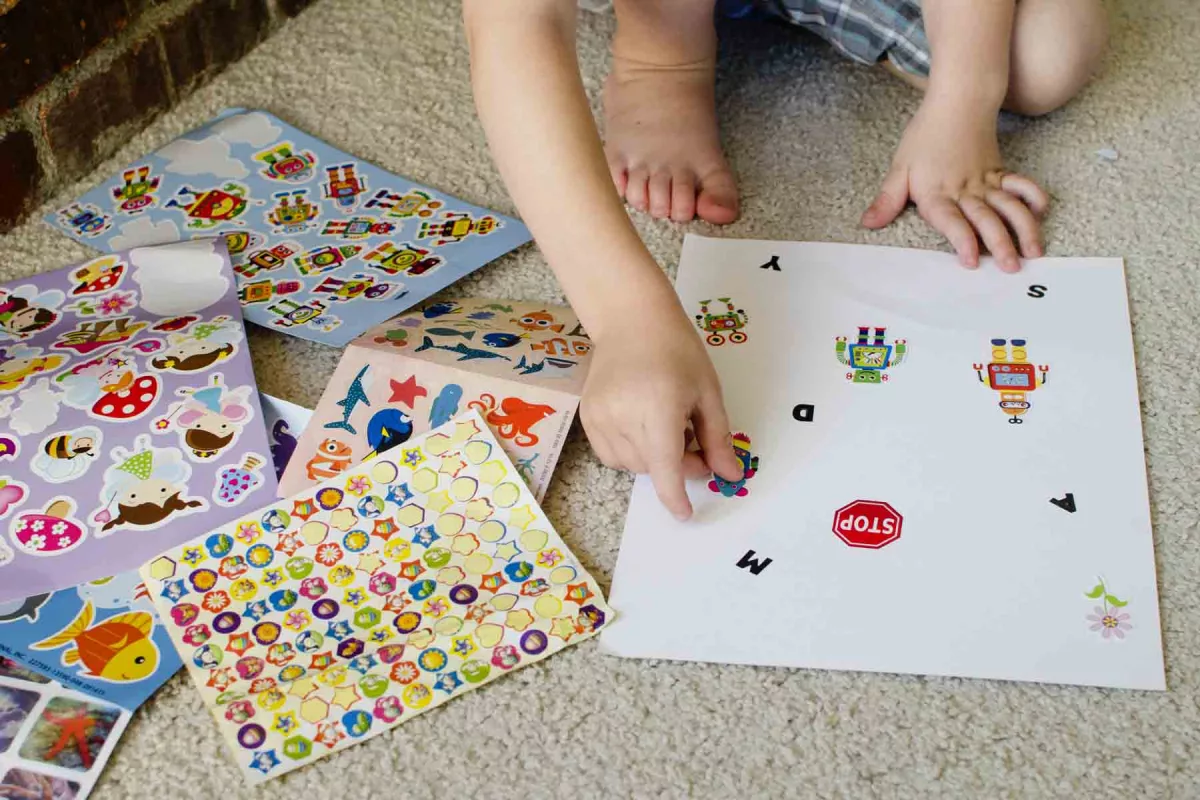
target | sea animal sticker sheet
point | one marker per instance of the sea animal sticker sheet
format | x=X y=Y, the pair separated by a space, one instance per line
x=944 y=473
x=54 y=743
x=520 y=365
x=325 y=245
x=129 y=418
x=383 y=592
x=285 y=422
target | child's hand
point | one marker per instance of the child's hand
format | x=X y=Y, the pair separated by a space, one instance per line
x=948 y=164
x=645 y=385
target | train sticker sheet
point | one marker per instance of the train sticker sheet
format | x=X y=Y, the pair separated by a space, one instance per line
x=54 y=742
x=943 y=473
x=325 y=245
x=385 y=591
x=520 y=365
x=129 y=420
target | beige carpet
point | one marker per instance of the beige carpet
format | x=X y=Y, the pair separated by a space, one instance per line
x=810 y=135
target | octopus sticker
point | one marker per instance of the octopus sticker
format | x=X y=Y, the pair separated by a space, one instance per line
x=200 y=347
x=209 y=419
x=144 y=488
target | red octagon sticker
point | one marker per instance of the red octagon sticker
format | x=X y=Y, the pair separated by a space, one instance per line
x=867 y=523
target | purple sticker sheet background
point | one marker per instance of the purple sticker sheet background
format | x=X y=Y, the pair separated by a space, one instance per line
x=325 y=245
x=129 y=419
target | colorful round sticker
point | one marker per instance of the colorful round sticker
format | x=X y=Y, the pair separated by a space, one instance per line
x=251 y=736
x=260 y=555
x=219 y=545
x=226 y=622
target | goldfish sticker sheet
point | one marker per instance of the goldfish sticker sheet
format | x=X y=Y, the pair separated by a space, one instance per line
x=325 y=245
x=943 y=473
x=520 y=365
x=129 y=417
x=54 y=743
x=385 y=591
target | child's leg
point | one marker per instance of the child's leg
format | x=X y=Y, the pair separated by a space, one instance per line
x=661 y=134
x=1057 y=46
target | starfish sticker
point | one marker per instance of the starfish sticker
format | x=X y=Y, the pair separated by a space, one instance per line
x=406 y=392
x=74 y=728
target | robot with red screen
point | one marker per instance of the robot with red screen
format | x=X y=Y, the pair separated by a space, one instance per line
x=1011 y=374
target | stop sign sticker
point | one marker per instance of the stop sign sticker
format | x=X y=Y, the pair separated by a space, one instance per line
x=867 y=523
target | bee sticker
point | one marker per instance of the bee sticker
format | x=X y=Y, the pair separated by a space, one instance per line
x=67 y=455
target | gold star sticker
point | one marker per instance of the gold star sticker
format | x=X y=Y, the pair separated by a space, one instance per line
x=369 y=562
x=508 y=551
x=303 y=687
x=437 y=444
x=563 y=628
x=521 y=517
x=439 y=501
x=452 y=465
x=465 y=430
x=345 y=696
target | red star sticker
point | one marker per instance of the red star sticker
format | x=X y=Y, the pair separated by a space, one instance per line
x=407 y=392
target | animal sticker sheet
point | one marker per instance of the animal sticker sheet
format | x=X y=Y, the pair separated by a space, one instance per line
x=520 y=365
x=284 y=422
x=54 y=743
x=385 y=591
x=325 y=245
x=944 y=473
x=129 y=418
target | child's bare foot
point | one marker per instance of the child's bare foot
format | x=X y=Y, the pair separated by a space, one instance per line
x=662 y=142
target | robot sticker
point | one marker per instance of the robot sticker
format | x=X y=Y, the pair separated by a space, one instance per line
x=415 y=203
x=456 y=226
x=1011 y=374
x=267 y=259
x=97 y=334
x=728 y=325
x=263 y=291
x=209 y=419
x=326 y=259
x=98 y=276
x=283 y=162
x=405 y=258
x=201 y=346
x=144 y=488
x=344 y=186
x=25 y=311
x=208 y=208
x=358 y=285
x=64 y=456
x=84 y=220
x=136 y=192
x=19 y=362
x=292 y=314
x=292 y=214
x=869 y=356
x=357 y=228
x=239 y=241
x=741 y=448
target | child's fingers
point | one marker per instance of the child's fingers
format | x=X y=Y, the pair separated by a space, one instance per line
x=604 y=449
x=890 y=202
x=1020 y=219
x=664 y=458
x=992 y=231
x=712 y=432
x=1025 y=188
x=948 y=220
x=694 y=466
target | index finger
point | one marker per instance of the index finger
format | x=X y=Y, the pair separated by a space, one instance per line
x=664 y=459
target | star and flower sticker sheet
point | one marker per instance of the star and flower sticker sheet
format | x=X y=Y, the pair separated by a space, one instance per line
x=521 y=365
x=944 y=473
x=415 y=577
x=324 y=245
x=129 y=420
x=54 y=742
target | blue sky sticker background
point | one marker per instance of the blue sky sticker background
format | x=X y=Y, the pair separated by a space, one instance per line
x=326 y=245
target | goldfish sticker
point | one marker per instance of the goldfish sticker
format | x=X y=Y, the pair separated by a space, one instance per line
x=117 y=650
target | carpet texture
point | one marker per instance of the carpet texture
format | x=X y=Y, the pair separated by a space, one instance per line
x=810 y=135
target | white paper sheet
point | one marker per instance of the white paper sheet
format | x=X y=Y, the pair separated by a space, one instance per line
x=988 y=578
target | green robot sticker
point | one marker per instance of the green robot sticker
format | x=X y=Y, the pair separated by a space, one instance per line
x=869 y=357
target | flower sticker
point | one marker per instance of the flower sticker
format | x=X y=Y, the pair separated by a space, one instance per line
x=1109 y=620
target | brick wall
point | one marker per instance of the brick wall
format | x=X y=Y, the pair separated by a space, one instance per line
x=79 y=76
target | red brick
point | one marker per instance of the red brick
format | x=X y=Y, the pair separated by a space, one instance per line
x=130 y=92
x=40 y=38
x=20 y=177
x=211 y=35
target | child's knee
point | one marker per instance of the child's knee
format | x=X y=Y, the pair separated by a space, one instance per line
x=1058 y=46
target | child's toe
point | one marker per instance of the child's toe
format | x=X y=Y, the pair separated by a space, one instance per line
x=683 y=196
x=636 y=189
x=660 y=195
x=718 y=199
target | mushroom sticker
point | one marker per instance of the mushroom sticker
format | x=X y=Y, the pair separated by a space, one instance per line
x=98 y=275
x=49 y=532
x=110 y=387
x=201 y=346
x=144 y=488
x=210 y=418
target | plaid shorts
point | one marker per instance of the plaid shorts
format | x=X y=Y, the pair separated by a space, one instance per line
x=865 y=30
